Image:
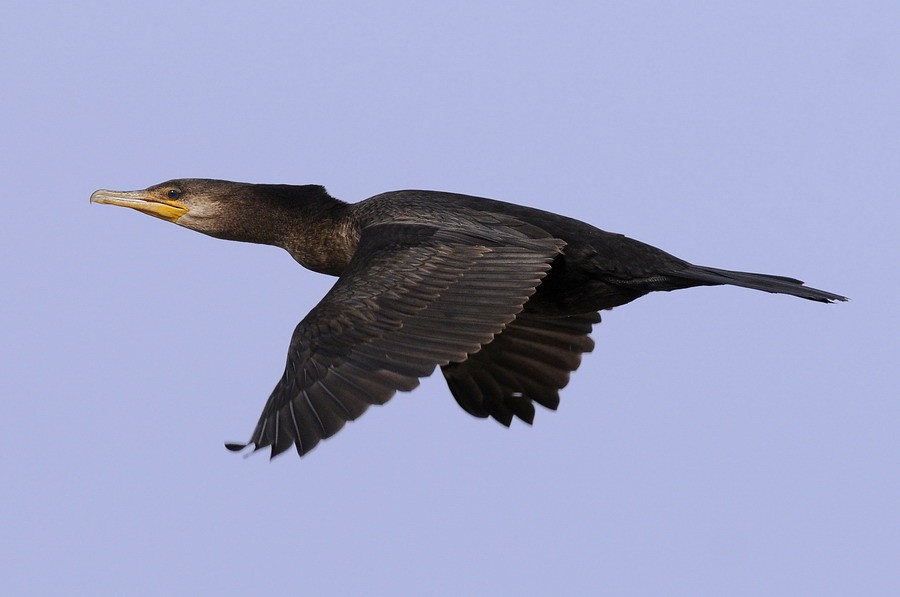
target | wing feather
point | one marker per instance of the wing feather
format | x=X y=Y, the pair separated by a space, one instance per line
x=412 y=298
x=530 y=361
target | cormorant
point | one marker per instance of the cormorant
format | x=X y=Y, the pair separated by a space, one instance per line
x=502 y=297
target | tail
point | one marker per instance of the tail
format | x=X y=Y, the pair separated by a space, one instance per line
x=710 y=276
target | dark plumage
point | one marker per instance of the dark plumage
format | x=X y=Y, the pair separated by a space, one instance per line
x=502 y=297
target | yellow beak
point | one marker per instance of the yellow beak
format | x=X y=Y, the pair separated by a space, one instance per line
x=165 y=209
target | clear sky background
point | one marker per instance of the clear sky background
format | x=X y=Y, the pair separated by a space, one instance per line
x=718 y=441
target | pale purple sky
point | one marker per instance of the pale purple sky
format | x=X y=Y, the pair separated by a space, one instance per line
x=717 y=442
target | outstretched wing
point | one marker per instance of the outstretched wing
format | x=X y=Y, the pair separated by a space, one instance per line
x=413 y=297
x=530 y=360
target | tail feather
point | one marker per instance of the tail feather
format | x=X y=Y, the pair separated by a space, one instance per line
x=702 y=275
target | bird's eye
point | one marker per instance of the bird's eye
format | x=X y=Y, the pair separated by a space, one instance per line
x=173 y=194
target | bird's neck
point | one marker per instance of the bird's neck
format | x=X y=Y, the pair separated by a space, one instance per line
x=318 y=230
x=322 y=237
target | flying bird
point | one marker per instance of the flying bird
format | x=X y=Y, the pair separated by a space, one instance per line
x=502 y=297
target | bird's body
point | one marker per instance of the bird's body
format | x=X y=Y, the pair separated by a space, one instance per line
x=501 y=296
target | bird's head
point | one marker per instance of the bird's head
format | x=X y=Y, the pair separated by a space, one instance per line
x=199 y=204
